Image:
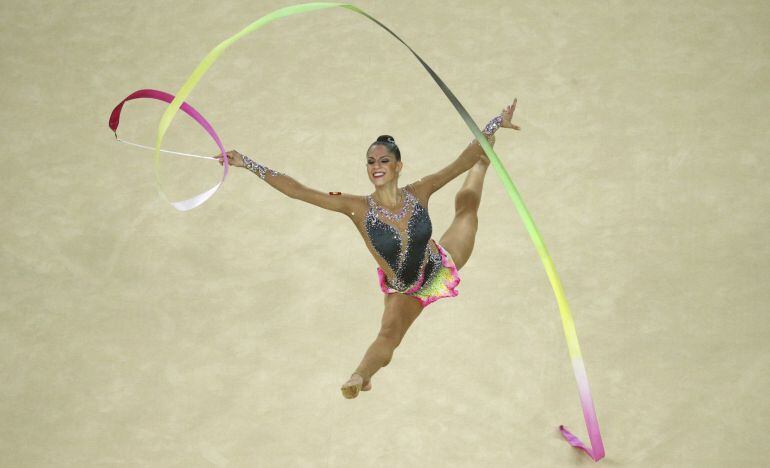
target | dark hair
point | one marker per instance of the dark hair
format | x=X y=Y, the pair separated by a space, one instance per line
x=390 y=143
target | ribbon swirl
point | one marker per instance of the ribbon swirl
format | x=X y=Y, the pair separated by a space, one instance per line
x=589 y=413
x=197 y=200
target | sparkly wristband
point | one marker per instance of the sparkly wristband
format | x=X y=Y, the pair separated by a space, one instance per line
x=493 y=125
x=258 y=168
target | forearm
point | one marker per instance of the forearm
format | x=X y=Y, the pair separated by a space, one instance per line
x=281 y=182
x=475 y=143
x=474 y=151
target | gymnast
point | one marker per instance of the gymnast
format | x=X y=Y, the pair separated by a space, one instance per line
x=414 y=270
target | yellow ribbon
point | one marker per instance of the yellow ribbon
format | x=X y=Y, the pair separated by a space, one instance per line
x=570 y=333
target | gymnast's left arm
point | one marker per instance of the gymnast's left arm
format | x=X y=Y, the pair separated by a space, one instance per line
x=468 y=158
x=431 y=183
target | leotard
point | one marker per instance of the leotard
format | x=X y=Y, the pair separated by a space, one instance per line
x=403 y=241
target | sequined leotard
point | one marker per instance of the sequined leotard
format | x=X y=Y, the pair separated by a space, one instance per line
x=402 y=240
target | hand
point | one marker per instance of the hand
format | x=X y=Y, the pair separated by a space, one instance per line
x=234 y=158
x=507 y=114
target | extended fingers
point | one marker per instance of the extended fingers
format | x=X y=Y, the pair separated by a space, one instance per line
x=509 y=113
x=220 y=158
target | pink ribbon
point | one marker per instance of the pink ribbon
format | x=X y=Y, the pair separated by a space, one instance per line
x=197 y=200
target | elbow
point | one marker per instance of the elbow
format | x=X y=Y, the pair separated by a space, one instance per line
x=471 y=159
x=295 y=191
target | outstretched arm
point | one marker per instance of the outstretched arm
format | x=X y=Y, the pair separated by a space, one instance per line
x=470 y=155
x=467 y=159
x=333 y=201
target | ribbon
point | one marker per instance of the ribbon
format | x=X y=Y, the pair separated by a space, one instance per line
x=197 y=200
x=589 y=413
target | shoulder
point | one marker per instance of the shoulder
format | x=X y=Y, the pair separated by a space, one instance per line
x=418 y=190
x=355 y=205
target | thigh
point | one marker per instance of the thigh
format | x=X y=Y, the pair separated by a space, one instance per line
x=460 y=238
x=400 y=312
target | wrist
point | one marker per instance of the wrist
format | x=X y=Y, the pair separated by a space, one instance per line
x=258 y=168
x=493 y=125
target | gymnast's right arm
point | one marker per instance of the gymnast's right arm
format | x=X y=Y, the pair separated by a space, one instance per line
x=333 y=201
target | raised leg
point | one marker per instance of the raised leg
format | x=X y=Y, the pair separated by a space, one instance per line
x=460 y=237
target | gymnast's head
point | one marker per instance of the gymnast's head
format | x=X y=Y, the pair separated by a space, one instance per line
x=384 y=159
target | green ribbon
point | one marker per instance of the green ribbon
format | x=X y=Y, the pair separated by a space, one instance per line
x=578 y=366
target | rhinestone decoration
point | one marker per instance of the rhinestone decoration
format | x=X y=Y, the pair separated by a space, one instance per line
x=409 y=200
x=375 y=226
x=258 y=168
x=493 y=125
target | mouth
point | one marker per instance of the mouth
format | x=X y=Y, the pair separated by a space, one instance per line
x=378 y=174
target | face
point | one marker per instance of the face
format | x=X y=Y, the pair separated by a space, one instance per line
x=383 y=163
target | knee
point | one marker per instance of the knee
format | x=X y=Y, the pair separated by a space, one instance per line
x=467 y=200
x=391 y=337
x=391 y=343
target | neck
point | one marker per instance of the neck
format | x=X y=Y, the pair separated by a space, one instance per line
x=388 y=195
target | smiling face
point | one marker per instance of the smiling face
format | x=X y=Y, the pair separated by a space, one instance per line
x=383 y=163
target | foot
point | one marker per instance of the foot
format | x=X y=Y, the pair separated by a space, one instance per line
x=483 y=161
x=351 y=388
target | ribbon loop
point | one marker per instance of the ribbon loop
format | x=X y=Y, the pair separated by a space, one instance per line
x=199 y=199
x=589 y=413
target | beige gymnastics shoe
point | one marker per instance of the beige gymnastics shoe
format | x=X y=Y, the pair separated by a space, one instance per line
x=356 y=383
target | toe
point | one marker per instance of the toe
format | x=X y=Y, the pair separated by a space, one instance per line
x=349 y=392
x=351 y=388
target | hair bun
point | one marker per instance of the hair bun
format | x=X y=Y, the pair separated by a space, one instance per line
x=386 y=139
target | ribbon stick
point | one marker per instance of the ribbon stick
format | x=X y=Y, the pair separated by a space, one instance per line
x=197 y=200
x=164 y=151
x=589 y=413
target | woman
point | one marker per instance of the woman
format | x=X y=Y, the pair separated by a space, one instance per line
x=414 y=270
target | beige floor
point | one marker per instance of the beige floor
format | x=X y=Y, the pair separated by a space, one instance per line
x=135 y=335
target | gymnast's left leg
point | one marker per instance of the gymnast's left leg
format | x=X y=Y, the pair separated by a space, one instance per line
x=459 y=239
x=400 y=312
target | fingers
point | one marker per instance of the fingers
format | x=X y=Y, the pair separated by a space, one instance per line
x=512 y=107
x=508 y=113
x=509 y=109
x=220 y=158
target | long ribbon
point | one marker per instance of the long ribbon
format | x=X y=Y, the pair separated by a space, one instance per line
x=589 y=413
x=197 y=200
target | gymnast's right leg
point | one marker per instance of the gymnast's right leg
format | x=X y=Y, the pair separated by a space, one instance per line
x=400 y=312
